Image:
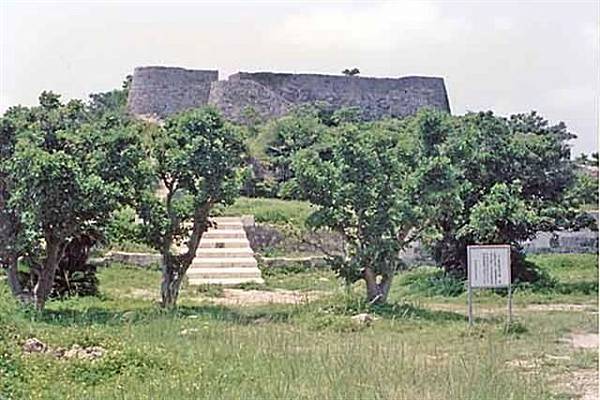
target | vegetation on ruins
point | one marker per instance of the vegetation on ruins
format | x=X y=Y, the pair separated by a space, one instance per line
x=351 y=72
x=197 y=157
x=63 y=174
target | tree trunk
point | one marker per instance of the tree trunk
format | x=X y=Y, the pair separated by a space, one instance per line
x=371 y=281
x=12 y=274
x=377 y=293
x=45 y=280
x=171 y=282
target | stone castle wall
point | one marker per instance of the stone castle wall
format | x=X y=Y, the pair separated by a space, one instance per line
x=376 y=97
x=233 y=98
x=162 y=91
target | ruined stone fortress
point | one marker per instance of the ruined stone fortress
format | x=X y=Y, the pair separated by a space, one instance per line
x=157 y=92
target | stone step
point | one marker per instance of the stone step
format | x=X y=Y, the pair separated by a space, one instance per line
x=224 y=262
x=224 y=234
x=224 y=281
x=227 y=219
x=228 y=243
x=228 y=227
x=208 y=252
x=224 y=256
x=194 y=273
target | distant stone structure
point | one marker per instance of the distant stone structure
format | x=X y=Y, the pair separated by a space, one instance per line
x=157 y=92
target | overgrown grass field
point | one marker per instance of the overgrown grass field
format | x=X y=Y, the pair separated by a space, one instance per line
x=418 y=347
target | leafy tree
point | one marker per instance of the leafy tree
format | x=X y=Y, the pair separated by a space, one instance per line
x=584 y=191
x=198 y=158
x=278 y=140
x=67 y=174
x=585 y=160
x=111 y=102
x=514 y=179
x=378 y=186
x=12 y=241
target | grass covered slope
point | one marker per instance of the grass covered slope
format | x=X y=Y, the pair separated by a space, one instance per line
x=304 y=351
x=270 y=211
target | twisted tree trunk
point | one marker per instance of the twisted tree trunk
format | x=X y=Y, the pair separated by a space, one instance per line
x=175 y=267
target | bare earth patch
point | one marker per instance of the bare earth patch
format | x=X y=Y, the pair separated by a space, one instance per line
x=239 y=297
x=561 y=307
x=144 y=294
x=583 y=340
x=581 y=384
x=252 y=297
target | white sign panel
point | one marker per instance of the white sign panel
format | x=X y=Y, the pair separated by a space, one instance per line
x=488 y=266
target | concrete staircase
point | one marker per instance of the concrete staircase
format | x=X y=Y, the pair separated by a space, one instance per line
x=224 y=256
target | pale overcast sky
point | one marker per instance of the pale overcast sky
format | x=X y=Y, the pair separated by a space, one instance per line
x=507 y=56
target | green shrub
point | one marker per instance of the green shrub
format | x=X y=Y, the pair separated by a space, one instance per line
x=432 y=282
x=122 y=227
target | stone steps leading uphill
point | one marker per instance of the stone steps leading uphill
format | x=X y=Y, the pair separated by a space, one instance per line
x=224 y=256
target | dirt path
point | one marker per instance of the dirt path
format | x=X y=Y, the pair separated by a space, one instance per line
x=583 y=340
x=488 y=309
x=240 y=297
x=253 y=297
x=582 y=383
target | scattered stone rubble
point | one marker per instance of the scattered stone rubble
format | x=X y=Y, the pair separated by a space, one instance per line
x=34 y=345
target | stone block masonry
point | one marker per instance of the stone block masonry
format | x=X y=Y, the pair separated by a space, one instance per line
x=161 y=91
x=157 y=92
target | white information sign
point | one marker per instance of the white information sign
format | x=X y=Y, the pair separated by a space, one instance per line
x=489 y=266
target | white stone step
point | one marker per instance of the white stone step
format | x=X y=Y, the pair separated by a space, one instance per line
x=227 y=219
x=228 y=226
x=224 y=281
x=224 y=262
x=194 y=273
x=208 y=252
x=224 y=234
x=228 y=243
x=224 y=256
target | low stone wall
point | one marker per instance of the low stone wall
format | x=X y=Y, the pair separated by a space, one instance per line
x=281 y=262
x=137 y=259
x=267 y=238
x=584 y=241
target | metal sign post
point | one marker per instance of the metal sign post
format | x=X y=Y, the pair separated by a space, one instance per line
x=488 y=266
